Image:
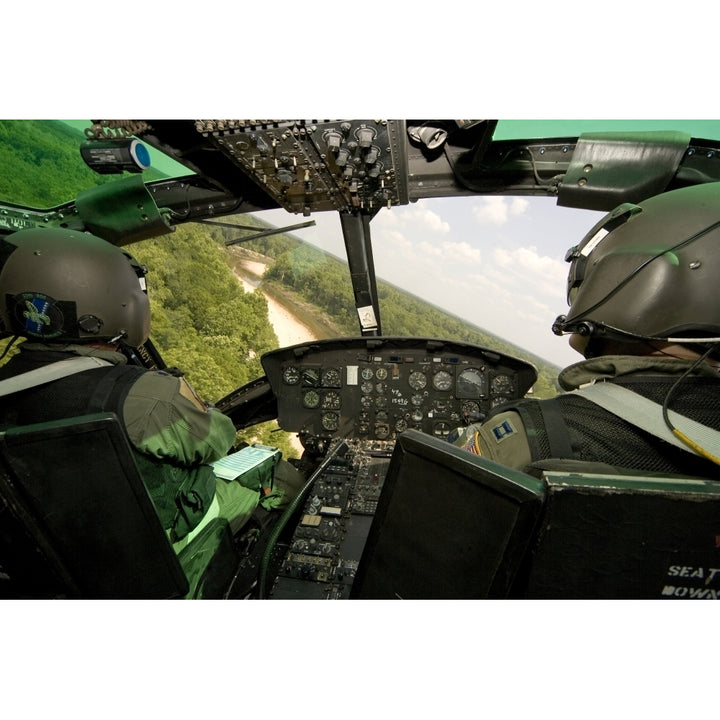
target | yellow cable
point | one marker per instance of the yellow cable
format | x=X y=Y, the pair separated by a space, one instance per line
x=695 y=446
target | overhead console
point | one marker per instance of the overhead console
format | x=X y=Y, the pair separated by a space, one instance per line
x=375 y=388
x=313 y=165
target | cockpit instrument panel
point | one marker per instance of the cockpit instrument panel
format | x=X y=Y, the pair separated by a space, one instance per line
x=375 y=388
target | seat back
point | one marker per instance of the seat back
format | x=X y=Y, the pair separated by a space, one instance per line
x=75 y=517
x=625 y=537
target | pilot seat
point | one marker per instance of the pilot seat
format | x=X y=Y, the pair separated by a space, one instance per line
x=76 y=521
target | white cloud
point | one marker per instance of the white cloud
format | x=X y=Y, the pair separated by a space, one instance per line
x=426 y=250
x=549 y=273
x=462 y=251
x=497 y=210
x=433 y=221
x=518 y=205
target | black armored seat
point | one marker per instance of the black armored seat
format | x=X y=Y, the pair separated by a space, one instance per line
x=76 y=520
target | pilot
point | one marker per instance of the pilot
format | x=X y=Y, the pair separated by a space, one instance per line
x=644 y=311
x=76 y=298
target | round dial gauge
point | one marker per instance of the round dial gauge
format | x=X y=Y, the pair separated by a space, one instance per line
x=311 y=399
x=367 y=387
x=291 y=375
x=442 y=380
x=417 y=380
x=330 y=421
x=331 y=401
x=471 y=383
x=331 y=377
x=381 y=373
x=310 y=377
x=502 y=384
x=366 y=373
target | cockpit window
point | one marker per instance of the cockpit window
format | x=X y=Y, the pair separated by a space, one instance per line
x=41 y=165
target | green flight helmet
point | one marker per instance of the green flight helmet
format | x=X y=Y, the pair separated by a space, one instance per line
x=59 y=285
x=649 y=272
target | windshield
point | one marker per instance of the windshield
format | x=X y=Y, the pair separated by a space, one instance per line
x=487 y=262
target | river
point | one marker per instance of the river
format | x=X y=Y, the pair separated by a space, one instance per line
x=288 y=329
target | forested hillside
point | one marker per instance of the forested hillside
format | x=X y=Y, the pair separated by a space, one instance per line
x=31 y=150
x=204 y=322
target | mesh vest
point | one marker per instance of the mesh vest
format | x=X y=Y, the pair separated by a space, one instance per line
x=570 y=427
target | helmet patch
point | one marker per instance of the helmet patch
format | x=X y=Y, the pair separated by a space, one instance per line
x=37 y=314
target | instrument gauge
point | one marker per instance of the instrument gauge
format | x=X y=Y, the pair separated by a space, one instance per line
x=381 y=373
x=311 y=399
x=417 y=380
x=471 y=411
x=367 y=387
x=331 y=378
x=502 y=385
x=331 y=401
x=366 y=373
x=291 y=375
x=310 y=377
x=330 y=421
x=471 y=383
x=442 y=380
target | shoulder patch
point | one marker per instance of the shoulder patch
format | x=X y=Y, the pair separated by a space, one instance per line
x=503 y=430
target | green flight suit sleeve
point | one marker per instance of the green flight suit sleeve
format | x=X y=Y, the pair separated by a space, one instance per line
x=501 y=439
x=165 y=420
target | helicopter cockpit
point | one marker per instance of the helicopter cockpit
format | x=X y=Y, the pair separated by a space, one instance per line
x=372 y=410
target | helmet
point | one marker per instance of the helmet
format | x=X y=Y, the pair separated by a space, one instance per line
x=66 y=286
x=648 y=272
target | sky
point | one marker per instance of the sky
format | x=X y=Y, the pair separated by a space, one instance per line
x=497 y=262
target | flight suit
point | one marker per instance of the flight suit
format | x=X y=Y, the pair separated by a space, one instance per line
x=569 y=432
x=174 y=435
